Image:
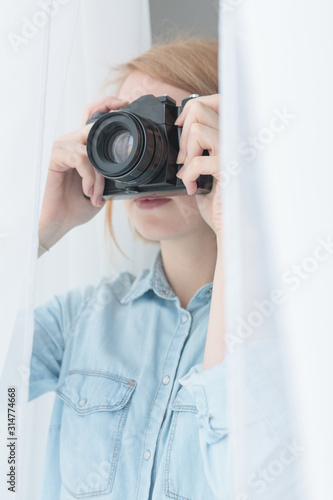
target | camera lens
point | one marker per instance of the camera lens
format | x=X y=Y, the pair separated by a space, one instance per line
x=120 y=146
x=126 y=147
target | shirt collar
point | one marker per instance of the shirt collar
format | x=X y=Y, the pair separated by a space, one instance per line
x=155 y=279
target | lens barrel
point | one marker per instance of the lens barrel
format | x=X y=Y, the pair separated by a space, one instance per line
x=125 y=147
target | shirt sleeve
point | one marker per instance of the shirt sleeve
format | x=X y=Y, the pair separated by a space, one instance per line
x=259 y=413
x=54 y=323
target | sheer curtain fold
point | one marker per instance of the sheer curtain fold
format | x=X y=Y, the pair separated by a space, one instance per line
x=30 y=101
x=56 y=55
x=276 y=79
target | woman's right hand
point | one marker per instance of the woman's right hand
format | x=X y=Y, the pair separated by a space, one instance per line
x=70 y=172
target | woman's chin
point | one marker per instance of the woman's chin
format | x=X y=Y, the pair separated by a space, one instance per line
x=155 y=236
x=157 y=233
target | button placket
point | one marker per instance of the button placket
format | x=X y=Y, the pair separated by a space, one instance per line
x=182 y=328
x=184 y=319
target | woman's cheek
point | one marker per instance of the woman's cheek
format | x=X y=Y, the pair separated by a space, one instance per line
x=129 y=207
x=188 y=210
x=127 y=204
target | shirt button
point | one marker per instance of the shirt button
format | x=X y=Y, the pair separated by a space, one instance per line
x=210 y=290
x=184 y=319
x=82 y=402
x=147 y=455
x=166 y=380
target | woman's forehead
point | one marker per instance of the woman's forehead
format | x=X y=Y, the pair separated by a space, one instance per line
x=138 y=84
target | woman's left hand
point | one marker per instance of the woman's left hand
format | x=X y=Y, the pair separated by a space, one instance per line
x=200 y=122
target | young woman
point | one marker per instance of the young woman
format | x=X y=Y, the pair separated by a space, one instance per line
x=137 y=364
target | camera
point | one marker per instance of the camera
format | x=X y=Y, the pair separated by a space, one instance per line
x=135 y=149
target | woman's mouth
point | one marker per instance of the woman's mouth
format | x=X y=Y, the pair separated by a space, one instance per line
x=146 y=203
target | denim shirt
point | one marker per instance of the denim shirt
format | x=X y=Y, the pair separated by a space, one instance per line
x=135 y=415
x=123 y=426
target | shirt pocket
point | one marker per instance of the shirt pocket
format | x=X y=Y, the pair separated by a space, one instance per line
x=94 y=415
x=184 y=469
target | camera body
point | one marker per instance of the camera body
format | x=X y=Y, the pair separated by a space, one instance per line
x=135 y=149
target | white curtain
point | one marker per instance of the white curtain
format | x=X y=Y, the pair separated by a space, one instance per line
x=55 y=56
x=276 y=82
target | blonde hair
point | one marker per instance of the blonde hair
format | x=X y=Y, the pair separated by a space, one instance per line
x=191 y=65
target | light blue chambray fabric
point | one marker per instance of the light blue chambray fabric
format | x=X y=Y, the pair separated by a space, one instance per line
x=135 y=416
x=122 y=426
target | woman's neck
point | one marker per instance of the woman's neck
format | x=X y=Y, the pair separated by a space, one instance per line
x=189 y=262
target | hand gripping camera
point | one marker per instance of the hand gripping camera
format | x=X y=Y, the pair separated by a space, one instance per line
x=135 y=149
